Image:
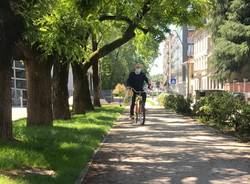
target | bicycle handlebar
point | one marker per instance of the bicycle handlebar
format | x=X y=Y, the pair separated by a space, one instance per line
x=136 y=91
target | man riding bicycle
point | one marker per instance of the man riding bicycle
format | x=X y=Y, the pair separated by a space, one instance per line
x=136 y=81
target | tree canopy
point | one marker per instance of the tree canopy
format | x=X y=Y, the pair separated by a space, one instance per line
x=63 y=26
x=231 y=37
x=116 y=67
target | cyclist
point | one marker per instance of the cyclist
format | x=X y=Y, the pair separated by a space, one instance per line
x=137 y=80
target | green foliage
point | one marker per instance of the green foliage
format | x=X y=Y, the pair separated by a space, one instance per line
x=161 y=98
x=177 y=103
x=55 y=27
x=61 y=26
x=115 y=67
x=215 y=106
x=157 y=78
x=224 y=110
x=244 y=119
x=65 y=148
x=231 y=33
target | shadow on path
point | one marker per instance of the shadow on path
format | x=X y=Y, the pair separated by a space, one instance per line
x=172 y=149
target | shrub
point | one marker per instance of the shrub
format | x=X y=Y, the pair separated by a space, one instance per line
x=241 y=119
x=177 y=103
x=223 y=109
x=182 y=105
x=161 y=98
x=170 y=102
x=119 y=90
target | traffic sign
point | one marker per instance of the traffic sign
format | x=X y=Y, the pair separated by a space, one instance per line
x=173 y=81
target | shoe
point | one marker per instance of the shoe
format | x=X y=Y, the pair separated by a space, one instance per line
x=132 y=117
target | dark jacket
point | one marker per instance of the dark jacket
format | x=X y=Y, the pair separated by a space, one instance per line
x=137 y=81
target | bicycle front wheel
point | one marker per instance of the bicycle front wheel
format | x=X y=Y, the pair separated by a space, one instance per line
x=142 y=116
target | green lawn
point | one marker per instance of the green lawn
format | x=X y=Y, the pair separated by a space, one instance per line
x=65 y=148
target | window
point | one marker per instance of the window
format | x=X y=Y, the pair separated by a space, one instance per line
x=18 y=64
x=190 y=51
x=21 y=84
x=20 y=74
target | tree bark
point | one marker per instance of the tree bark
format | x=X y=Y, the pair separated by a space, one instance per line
x=96 y=78
x=5 y=97
x=38 y=74
x=11 y=27
x=96 y=84
x=60 y=92
x=81 y=96
x=87 y=96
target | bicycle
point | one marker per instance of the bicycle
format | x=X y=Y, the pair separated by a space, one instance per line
x=140 y=113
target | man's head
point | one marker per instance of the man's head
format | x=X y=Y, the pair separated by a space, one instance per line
x=138 y=68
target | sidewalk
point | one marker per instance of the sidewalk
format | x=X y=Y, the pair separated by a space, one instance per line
x=169 y=149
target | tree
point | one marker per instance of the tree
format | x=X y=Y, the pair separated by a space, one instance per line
x=144 y=16
x=54 y=29
x=60 y=93
x=116 y=67
x=96 y=78
x=157 y=78
x=10 y=30
x=232 y=41
x=59 y=28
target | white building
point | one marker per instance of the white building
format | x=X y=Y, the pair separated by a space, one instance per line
x=202 y=78
x=178 y=49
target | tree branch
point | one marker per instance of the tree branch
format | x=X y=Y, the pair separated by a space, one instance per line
x=108 y=48
x=127 y=35
x=144 y=30
x=118 y=18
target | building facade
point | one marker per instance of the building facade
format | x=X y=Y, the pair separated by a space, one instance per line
x=178 y=48
x=202 y=78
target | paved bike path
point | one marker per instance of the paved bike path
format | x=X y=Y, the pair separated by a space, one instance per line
x=169 y=149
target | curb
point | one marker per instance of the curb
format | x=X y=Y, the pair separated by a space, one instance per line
x=83 y=173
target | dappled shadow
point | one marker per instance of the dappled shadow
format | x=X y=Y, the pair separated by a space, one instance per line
x=170 y=149
x=69 y=143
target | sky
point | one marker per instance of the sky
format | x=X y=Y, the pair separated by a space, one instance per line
x=158 y=62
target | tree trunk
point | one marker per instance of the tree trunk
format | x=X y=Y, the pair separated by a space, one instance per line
x=87 y=96
x=96 y=79
x=96 y=84
x=60 y=93
x=38 y=74
x=11 y=28
x=5 y=97
x=81 y=95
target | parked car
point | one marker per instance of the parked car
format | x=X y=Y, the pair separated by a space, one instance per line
x=203 y=93
x=238 y=95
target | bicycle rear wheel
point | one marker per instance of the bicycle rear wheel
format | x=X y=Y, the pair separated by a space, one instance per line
x=142 y=115
x=136 y=113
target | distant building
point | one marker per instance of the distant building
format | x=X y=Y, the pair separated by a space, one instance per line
x=178 y=48
x=19 y=84
x=202 y=78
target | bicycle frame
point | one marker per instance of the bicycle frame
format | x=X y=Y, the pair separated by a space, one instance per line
x=139 y=111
